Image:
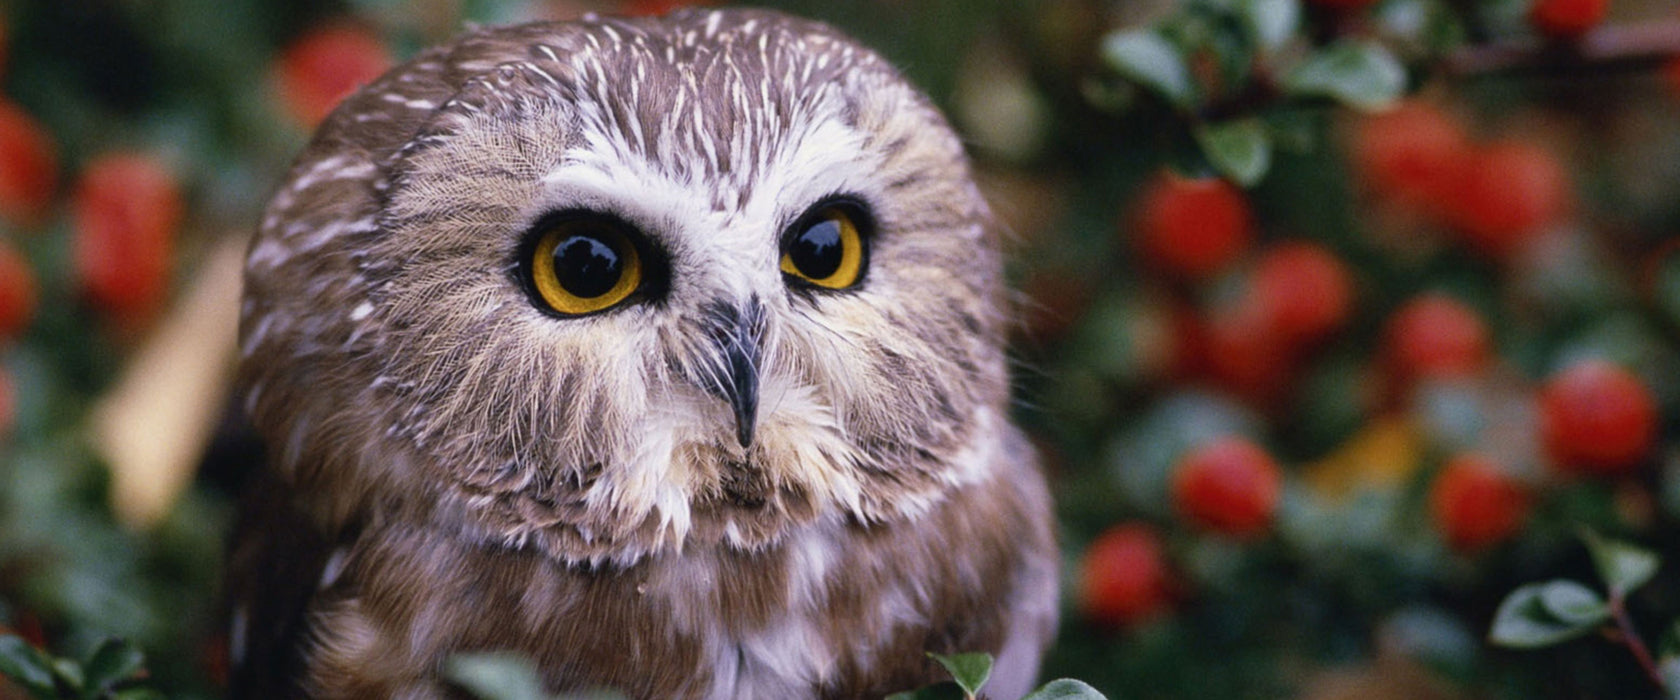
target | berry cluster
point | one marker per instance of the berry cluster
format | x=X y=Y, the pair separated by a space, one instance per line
x=1447 y=408
x=121 y=212
x=123 y=208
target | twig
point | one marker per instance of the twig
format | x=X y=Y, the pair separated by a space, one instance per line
x=1640 y=45
x=1630 y=638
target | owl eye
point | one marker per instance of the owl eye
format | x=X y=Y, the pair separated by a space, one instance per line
x=585 y=264
x=825 y=248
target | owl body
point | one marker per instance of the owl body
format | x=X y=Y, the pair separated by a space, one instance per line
x=665 y=352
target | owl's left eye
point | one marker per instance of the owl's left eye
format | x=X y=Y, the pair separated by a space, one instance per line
x=584 y=264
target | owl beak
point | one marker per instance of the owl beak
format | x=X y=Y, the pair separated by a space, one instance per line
x=743 y=394
x=737 y=333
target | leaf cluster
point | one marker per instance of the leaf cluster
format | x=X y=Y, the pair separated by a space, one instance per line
x=113 y=670
x=1548 y=613
x=1238 y=72
x=969 y=673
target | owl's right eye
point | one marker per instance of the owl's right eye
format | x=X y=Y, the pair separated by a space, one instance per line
x=584 y=264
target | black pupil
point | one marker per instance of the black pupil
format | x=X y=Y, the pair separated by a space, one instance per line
x=586 y=266
x=817 y=252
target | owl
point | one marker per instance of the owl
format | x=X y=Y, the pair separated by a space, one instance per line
x=664 y=352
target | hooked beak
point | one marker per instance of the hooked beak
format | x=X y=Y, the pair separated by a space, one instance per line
x=737 y=333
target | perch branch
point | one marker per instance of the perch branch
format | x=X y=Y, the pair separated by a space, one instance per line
x=1633 y=46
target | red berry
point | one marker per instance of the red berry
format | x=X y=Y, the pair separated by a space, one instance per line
x=1505 y=193
x=1475 y=504
x=1434 y=335
x=126 y=209
x=1597 y=418
x=1245 y=353
x=1229 y=486
x=17 y=293
x=1671 y=75
x=1566 y=19
x=1193 y=228
x=321 y=68
x=28 y=167
x=1305 y=290
x=1410 y=153
x=1187 y=340
x=1123 y=577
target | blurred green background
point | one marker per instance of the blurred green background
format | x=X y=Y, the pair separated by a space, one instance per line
x=1160 y=312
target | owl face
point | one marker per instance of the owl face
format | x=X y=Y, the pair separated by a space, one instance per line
x=631 y=285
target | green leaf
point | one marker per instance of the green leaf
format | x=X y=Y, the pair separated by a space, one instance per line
x=495 y=676
x=969 y=670
x=1359 y=74
x=1430 y=26
x=28 y=667
x=1271 y=22
x=1524 y=622
x=1065 y=689
x=1240 y=149
x=1572 y=603
x=1147 y=58
x=1446 y=30
x=69 y=673
x=112 y=662
x=1623 y=566
x=1406 y=20
x=139 y=694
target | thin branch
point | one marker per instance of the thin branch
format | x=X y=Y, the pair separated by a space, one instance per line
x=1630 y=638
x=1634 y=46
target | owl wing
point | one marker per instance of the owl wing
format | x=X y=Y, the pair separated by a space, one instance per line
x=275 y=563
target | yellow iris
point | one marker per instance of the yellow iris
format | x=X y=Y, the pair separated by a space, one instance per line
x=827 y=251
x=582 y=266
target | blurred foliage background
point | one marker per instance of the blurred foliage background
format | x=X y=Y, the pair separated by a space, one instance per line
x=1340 y=318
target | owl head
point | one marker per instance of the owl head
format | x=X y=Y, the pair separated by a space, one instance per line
x=610 y=287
